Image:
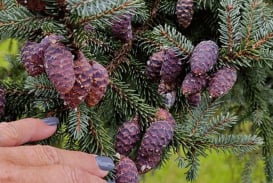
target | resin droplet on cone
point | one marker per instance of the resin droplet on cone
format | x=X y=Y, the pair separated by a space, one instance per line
x=222 y=82
x=126 y=171
x=127 y=137
x=193 y=84
x=204 y=57
x=99 y=83
x=82 y=85
x=31 y=59
x=2 y=101
x=59 y=67
x=154 y=65
x=184 y=12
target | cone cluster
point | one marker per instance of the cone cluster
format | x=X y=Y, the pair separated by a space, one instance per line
x=74 y=76
x=155 y=139
x=2 y=101
x=203 y=59
x=166 y=67
x=184 y=12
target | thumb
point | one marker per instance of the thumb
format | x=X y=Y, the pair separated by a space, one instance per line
x=26 y=130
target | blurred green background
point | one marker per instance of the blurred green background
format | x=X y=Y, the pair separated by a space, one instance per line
x=215 y=168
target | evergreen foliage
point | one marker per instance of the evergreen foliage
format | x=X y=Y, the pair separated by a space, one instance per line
x=243 y=30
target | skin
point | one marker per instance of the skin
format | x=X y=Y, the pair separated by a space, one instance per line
x=42 y=164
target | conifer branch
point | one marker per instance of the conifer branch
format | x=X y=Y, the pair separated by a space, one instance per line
x=170 y=37
x=236 y=144
x=218 y=123
x=120 y=56
x=129 y=101
x=229 y=14
x=78 y=122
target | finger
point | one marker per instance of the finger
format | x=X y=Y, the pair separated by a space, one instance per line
x=46 y=155
x=26 y=130
x=45 y=174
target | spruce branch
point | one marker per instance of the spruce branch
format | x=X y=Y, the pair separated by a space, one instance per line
x=218 y=123
x=97 y=141
x=235 y=143
x=19 y=23
x=78 y=122
x=129 y=102
x=170 y=37
x=120 y=56
x=95 y=10
x=229 y=14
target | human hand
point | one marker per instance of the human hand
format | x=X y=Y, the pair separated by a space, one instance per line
x=44 y=164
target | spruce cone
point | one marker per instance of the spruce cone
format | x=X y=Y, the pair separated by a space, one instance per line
x=154 y=65
x=184 y=12
x=47 y=41
x=194 y=99
x=100 y=81
x=193 y=84
x=171 y=67
x=204 y=57
x=2 y=101
x=165 y=115
x=59 y=67
x=31 y=59
x=122 y=27
x=82 y=85
x=127 y=136
x=222 y=82
x=168 y=92
x=126 y=171
x=147 y=163
x=34 y=5
x=156 y=138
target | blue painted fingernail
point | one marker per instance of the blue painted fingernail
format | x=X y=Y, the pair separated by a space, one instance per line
x=105 y=163
x=51 y=121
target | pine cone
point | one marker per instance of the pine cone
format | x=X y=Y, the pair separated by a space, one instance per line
x=154 y=65
x=127 y=136
x=59 y=67
x=204 y=57
x=147 y=163
x=194 y=99
x=82 y=85
x=31 y=59
x=100 y=81
x=171 y=67
x=193 y=84
x=34 y=5
x=2 y=101
x=126 y=171
x=122 y=27
x=184 y=12
x=165 y=115
x=157 y=137
x=222 y=82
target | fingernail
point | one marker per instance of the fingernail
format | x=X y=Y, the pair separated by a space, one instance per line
x=111 y=181
x=51 y=121
x=105 y=163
